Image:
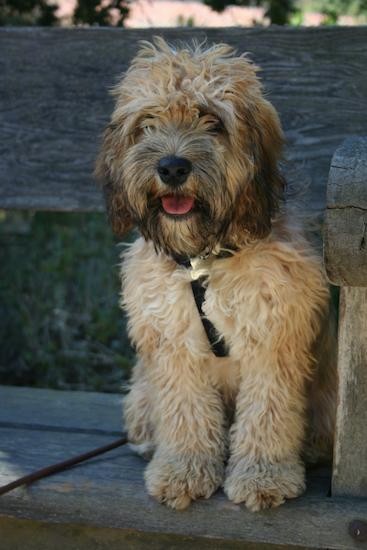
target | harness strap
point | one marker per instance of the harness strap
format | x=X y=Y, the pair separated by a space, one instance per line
x=216 y=341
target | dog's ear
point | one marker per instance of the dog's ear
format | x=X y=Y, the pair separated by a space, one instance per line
x=113 y=188
x=262 y=142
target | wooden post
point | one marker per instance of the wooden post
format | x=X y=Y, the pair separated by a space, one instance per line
x=346 y=265
x=350 y=451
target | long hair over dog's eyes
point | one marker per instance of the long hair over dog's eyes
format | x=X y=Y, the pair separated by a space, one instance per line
x=212 y=123
x=217 y=127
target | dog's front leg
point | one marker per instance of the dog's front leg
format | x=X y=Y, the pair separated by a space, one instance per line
x=264 y=467
x=189 y=431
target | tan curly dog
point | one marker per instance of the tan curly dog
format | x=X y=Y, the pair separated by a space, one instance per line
x=190 y=158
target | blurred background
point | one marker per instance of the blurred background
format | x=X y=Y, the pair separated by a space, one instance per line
x=176 y=13
x=60 y=324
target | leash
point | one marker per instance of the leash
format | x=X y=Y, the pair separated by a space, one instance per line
x=61 y=466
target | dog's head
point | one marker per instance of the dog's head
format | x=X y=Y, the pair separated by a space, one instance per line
x=191 y=152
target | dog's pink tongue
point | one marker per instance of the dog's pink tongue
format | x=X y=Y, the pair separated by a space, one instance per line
x=174 y=204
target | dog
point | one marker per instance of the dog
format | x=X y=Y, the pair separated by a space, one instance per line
x=227 y=303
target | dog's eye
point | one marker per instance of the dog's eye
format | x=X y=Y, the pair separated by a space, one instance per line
x=147 y=123
x=213 y=124
x=216 y=127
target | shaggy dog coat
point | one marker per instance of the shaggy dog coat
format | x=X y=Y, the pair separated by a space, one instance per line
x=190 y=157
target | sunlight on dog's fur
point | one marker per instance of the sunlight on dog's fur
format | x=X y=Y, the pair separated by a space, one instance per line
x=190 y=157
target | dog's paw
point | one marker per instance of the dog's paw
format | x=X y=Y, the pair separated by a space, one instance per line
x=176 y=481
x=262 y=486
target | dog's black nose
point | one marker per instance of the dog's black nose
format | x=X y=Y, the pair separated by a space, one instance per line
x=174 y=170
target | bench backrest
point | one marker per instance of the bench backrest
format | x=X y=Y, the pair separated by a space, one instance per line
x=54 y=103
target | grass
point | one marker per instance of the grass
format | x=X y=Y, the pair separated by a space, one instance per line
x=60 y=324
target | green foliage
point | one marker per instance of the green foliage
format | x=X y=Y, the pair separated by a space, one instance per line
x=92 y=12
x=282 y=12
x=185 y=22
x=278 y=11
x=296 y=18
x=219 y=5
x=331 y=15
x=27 y=12
x=333 y=8
x=60 y=324
x=40 y=12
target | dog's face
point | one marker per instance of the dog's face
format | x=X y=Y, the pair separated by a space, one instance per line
x=191 y=152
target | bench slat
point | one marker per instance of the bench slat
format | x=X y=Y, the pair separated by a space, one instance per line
x=73 y=411
x=108 y=493
x=54 y=103
x=36 y=535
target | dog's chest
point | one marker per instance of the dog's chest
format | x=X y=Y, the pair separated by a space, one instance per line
x=159 y=299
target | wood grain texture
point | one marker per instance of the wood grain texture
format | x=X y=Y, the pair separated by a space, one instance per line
x=17 y=534
x=74 y=411
x=346 y=215
x=108 y=493
x=54 y=103
x=350 y=453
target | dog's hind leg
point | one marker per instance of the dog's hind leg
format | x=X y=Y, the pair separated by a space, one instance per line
x=137 y=411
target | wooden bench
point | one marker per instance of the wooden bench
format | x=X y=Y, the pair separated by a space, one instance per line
x=54 y=104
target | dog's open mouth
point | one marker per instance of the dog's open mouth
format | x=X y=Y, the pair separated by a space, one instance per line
x=177 y=205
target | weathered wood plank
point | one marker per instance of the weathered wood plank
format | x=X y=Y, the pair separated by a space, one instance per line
x=35 y=535
x=108 y=493
x=346 y=215
x=350 y=453
x=54 y=103
x=73 y=411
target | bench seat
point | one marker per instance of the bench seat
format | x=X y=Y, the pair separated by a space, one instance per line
x=102 y=503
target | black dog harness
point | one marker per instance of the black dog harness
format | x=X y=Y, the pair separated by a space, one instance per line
x=198 y=286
